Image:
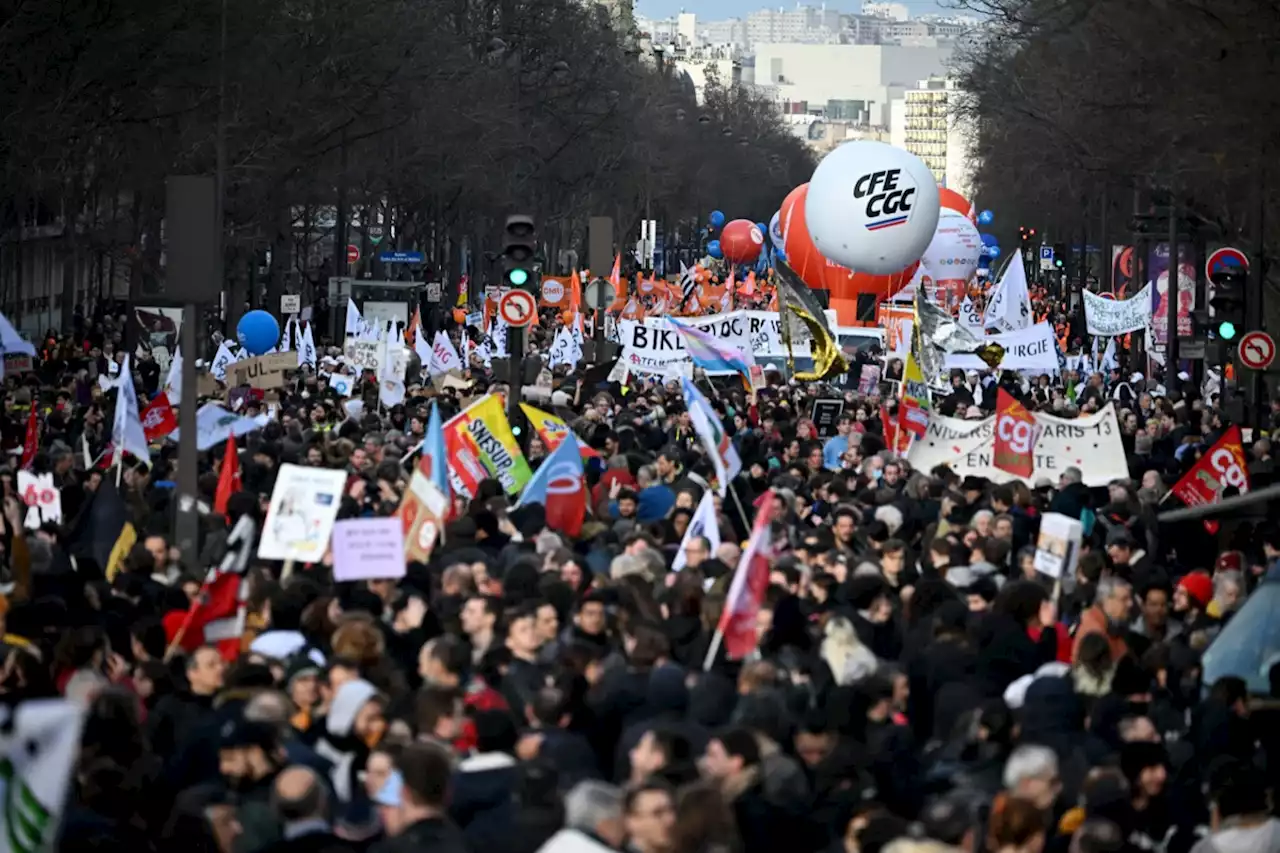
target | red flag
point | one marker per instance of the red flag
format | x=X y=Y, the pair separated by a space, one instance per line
x=1015 y=437
x=158 y=419
x=217 y=615
x=228 y=477
x=1224 y=465
x=33 y=438
x=737 y=626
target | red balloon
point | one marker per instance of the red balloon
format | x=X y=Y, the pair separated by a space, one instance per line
x=821 y=274
x=740 y=241
x=952 y=200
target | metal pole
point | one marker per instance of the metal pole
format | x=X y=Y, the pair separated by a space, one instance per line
x=1172 y=298
x=1106 y=284
x=188 y=520
x=1255 y=317
x=515 y=359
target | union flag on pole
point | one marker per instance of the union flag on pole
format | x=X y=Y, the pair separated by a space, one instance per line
x=1222 y=467
x=737 y=628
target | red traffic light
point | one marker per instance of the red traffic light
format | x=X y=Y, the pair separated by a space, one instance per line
x=1033 y=232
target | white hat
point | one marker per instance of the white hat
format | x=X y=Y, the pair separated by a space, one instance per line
x=1015 y=695
x=1137 y=377
x=1183 y=375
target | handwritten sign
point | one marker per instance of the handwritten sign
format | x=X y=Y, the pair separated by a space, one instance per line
x=265 y=371
x=362 y=354
x=368 y=549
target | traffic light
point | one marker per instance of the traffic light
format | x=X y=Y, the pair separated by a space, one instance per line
x=1060 y=255
x=519 y=242
x=1228 y=301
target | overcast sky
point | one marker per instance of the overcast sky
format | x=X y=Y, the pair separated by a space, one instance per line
x=712 y=9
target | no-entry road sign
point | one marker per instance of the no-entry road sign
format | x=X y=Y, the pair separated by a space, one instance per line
x=1257 y=350
x=517 y=307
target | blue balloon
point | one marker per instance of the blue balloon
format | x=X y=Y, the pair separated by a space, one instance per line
x=764 y=229
x=994 y=250
x=989 y=240
x=984 y=261
x=779 y=254
x=713 y=249
x=717 y=219
x=986 y=217
x=258 y=332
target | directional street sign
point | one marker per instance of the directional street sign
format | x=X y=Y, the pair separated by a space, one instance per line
x=1046 y=257
x=353 y=253
x=401 y=257
x=517 y=307
x=1257 y=350
x=1224 y=259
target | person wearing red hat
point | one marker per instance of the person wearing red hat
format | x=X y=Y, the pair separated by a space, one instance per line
x=1191 y=601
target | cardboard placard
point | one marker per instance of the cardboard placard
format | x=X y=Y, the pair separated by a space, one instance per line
x=207 y=385
x=265 y=371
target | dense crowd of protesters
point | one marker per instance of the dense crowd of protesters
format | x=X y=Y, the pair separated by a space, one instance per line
x=916 y=685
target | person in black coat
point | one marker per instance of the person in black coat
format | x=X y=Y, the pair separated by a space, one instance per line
x=419 y=790
x=300 y=798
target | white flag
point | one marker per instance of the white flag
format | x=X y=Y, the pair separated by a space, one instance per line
x=444 y=357
x=1109 y=356
x=40 y=745
x=715 y=441
x=126 y=429
x=1009 y=309
x=355 y=320
x=420 y=345
x=221 y=361
x=564 y=349
x=307 y=348
x=705 y=524
x=173 y=384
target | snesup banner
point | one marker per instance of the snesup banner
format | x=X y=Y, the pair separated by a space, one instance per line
x=1111 y=317
x=1090 y=444
x=480 y=445
x=1030 y=349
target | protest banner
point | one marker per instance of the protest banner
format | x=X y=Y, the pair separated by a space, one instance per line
x=1030 y=349
x=481 y=444
x=1112 y=317
x=1091 y=444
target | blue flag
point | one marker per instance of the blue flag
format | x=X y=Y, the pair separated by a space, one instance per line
x=560 y=485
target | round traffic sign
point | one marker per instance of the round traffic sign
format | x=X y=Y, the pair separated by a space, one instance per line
x=1257 y=350
x=353 y=253
x=517 y=307
x=599 y=294
x=1223 y=259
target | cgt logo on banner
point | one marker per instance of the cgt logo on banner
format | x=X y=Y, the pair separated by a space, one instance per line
x=1015 y=438
x=1223 y=467
x=1090 y=444
x=1112 y=317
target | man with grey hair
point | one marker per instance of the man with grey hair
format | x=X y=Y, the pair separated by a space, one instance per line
x=1109 y=616
x=300 y=800
x=592 y=820
x=1031 y=773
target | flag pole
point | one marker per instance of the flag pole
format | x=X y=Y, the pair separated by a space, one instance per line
x=713 y=650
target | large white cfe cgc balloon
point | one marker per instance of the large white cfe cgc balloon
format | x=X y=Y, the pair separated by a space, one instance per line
x=872 y=207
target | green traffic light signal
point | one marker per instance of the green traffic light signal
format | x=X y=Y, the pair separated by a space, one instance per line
x=1058 y=263
x=1226 y=330
x=517 y=277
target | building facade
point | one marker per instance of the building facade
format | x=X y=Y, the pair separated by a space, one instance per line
x=928 y=121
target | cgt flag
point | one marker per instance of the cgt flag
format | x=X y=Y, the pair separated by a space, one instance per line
x=1221 y=468
x=1015 y=437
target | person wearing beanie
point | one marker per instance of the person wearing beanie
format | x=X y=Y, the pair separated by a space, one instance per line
x=1191 y=603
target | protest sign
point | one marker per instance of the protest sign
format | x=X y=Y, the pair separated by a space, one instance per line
x=652 y=346
x=1058 y=546
x=1111 y=317
x=368 y=549
x=17 y=363
x=304 y=506
x=826 y=413
x=1030 y=349
x=1091 y=444
x=422 y=513
x=42 y=497
x=265 y=371
x=362 y=353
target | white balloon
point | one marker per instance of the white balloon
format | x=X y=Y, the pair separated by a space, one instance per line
x=775 y=231
x=872 y=207
x=953 y=253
